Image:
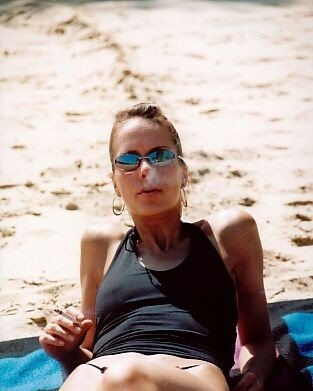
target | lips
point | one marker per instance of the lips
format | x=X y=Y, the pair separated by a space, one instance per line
x=147 y=191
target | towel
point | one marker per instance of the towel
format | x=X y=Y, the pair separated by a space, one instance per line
x=24 y=366
x=292 y=326
x=34 y=371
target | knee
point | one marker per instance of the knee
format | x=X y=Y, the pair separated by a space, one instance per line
x=129 y=376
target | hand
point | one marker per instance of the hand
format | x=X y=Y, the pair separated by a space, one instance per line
x=249 y=382
x=62 y=336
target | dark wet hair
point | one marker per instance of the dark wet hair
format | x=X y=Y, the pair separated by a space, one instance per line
x=150 y=112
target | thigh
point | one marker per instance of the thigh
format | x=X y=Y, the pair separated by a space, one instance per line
x=143 y=375
x=210 y=374
x=83 y=378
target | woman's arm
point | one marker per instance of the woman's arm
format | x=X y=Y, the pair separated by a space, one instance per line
x=238 y=240
x=98 y=246
x=64 y=340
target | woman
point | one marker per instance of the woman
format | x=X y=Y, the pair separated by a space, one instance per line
x=160 y=304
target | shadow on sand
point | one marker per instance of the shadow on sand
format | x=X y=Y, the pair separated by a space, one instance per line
x=143 y=4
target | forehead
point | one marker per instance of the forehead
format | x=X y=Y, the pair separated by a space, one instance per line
x=141 y=135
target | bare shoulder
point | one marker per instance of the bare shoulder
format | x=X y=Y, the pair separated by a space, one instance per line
x=234 y=232
x=228 y=224
x=233 y=224
x=98 y=244
x=102 y=233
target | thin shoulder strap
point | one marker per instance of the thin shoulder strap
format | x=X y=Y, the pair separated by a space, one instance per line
x=199 y=236
x=123 y=244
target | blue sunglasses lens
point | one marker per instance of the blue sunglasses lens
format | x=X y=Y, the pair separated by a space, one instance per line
x=128 y=159
x=159 y=157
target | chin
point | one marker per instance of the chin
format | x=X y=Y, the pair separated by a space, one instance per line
x=157 y=210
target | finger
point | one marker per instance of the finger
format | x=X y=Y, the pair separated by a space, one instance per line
x=83 y=322
x=67 y=322
x=55 y=329
x=74 y=313
x=68 y=315
x=47 y=339
x=86 y=324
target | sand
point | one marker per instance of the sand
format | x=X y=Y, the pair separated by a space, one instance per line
x=235 y=77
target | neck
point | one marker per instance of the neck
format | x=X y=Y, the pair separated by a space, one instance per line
x=159 y=233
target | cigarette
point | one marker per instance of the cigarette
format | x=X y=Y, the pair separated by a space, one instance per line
x=67 y=316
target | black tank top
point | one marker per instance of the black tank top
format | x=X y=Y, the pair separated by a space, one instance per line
x=189 y=311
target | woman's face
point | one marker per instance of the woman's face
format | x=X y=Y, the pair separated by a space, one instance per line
x=147 y=190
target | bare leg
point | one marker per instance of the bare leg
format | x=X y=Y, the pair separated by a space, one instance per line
x=139 y=375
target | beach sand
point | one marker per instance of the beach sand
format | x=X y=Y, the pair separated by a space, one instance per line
x=236 y=79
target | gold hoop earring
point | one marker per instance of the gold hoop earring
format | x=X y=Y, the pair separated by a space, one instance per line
x=183 y=197
x=117 y=209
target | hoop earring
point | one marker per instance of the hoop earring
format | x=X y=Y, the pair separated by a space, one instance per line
x=183 y=197
x=117 y=210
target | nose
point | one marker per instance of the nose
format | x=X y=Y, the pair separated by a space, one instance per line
x=144 y=167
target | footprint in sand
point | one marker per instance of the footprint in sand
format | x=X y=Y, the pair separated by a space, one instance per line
x=196 y=175
x=303 y=218
x=301 y=283
x=8 y=185
x=307 y=188
x=73 y=24
x=301 y=241
x=7 y=232
x=234 y=173
x=71 y=206
x=271 y=260
x=12 y=309
x=192 y=101
x=39 y=320
x=246 y=201
x=300 y=202
x=212 y=110
x=60 y=192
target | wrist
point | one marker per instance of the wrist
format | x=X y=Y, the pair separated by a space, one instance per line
x=75 y=357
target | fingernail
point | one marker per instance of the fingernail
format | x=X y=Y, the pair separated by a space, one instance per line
x=70 y=338
x=77 y=330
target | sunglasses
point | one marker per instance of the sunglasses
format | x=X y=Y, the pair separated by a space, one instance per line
x=159 y=157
